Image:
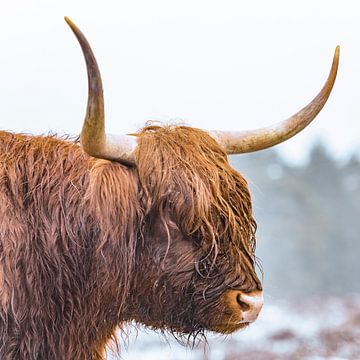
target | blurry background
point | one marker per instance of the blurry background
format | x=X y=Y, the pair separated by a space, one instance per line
x=230 y=65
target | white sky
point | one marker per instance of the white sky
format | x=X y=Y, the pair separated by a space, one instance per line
x=231 y=65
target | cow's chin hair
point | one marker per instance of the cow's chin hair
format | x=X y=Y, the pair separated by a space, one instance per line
x=190 y=330
x=224 y=328
x=184 y=335
x=191 y=337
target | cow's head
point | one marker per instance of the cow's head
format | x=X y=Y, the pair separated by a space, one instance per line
x=195 y=260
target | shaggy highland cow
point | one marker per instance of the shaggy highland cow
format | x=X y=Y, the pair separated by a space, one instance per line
x=155 y=228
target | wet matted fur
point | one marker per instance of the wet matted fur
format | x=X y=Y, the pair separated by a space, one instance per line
x=87 y=245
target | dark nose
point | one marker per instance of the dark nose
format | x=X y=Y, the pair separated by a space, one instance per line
x=250 y=304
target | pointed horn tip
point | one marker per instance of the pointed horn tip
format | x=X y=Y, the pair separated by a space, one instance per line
x=336 y=57
x=337 y=52
x=71 y=24
x=67 y=20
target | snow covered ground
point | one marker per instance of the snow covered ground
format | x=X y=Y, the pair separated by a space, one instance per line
x=312 y=329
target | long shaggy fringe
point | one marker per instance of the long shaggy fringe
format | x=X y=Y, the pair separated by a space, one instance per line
x=186 y=179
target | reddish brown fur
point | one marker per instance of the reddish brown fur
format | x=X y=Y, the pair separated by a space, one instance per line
x=87 y=244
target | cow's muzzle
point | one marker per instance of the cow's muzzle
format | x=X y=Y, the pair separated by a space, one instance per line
x=245 y=306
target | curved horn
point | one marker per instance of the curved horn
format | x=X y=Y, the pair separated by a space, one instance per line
x=236 y=142
x=93 y=138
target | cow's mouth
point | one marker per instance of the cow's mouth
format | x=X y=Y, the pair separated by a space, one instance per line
x=230 y=327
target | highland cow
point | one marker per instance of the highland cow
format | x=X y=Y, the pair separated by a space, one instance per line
x=153 y=227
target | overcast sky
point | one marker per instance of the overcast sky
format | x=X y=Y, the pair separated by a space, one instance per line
x=231 y=65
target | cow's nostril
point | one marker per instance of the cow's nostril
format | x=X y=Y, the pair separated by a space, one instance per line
x=243 y=305
x=248 y=304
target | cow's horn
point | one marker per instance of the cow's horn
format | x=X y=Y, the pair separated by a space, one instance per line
x=236 y=142
x=93 y=138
